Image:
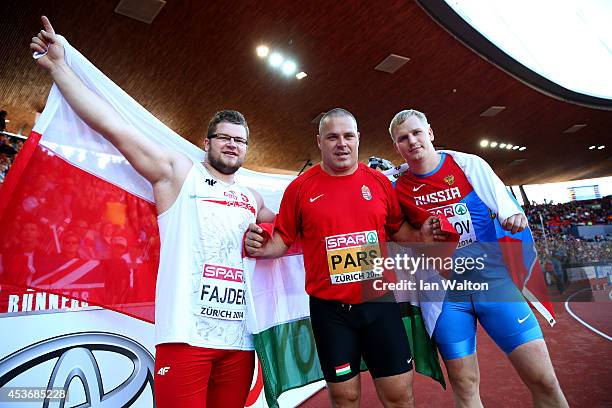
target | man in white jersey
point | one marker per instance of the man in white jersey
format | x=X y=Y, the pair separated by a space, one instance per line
x=204 y=355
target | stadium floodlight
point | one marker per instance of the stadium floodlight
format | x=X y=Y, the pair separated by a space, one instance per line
x=289 y=67
x=262 y=51
x=276 y=59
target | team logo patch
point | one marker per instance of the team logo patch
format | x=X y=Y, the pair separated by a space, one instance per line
x=343 y=369
x=366 y=193
x=450 y=179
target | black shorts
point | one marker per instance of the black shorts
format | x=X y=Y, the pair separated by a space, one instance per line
x=346 y=333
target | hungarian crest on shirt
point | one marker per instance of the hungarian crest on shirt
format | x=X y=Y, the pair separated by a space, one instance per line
x=366 y=193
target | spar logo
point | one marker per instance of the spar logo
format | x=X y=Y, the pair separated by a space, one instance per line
x=461 y=209
x=222 y=272
x=452 y=210
x=75 y=360
x=351 y=240
x=447 y=211
x=372 y=237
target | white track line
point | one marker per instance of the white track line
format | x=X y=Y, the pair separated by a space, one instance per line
x=585 y=324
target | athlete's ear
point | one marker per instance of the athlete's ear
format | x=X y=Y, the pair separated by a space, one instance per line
x=206 y=144
x=319 y=141
x=431 y=134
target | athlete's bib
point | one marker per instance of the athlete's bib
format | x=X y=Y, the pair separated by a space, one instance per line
x=459 y=216
x=222 y=292
x=350 y=257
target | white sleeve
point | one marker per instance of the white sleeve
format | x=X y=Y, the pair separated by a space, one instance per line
x=487 y=185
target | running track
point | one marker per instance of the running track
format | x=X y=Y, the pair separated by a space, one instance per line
x=582 y=361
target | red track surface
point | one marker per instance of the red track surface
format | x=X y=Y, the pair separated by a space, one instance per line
x=581 y=359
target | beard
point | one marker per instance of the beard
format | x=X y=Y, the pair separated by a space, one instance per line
x=219 y=163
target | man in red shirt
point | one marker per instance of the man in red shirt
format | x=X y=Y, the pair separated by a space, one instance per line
x=343 y=212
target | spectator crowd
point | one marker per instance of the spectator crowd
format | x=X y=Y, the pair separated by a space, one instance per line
x=557 y=219
x=591 y=212
x=64 y=226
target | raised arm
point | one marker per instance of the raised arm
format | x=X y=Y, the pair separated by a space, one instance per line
x=150 y=160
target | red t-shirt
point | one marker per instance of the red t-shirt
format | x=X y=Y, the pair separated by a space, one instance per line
x=435 y=191
x=342 y=223
x=446 y=193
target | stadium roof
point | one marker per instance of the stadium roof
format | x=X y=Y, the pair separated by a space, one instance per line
x=198 y=57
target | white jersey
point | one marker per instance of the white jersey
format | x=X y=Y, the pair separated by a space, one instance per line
x=200 y=294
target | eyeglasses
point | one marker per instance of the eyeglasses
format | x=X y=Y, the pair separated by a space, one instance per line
x=226 y=139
